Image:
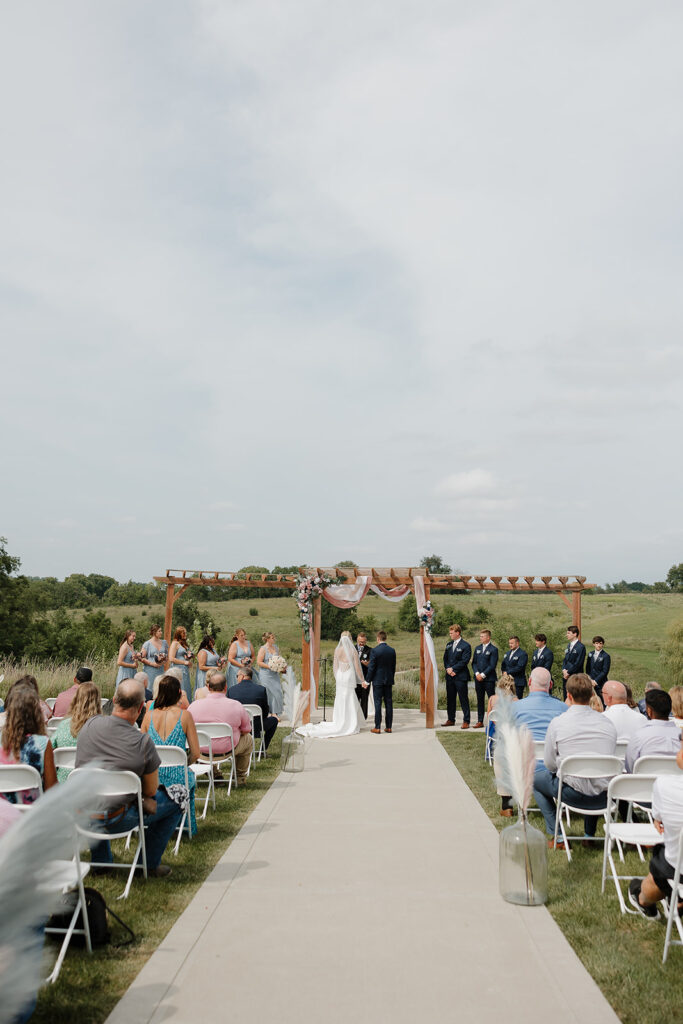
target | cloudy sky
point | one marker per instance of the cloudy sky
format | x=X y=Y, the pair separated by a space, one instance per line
x=287 y=281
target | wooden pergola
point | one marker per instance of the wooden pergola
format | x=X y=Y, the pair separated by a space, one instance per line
x=568 y=588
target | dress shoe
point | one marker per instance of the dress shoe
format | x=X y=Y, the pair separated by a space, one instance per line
x=478 y=725
x=552 y=846
x=506 y=812
x=387 y=730
x=376 y=730
x=446 y=725
x=465 y=725
x=161 y=871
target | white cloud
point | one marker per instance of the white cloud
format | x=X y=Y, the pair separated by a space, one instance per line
x=463 y=485
x=424 y=525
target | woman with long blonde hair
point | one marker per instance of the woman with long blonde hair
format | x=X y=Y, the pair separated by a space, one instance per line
x=85 y=705
x=24 y=739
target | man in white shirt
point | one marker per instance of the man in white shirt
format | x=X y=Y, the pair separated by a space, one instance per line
x=625 y=720
x=660 y=735
x=667 y=811
x=579 y=731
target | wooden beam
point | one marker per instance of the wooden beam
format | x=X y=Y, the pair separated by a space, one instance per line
x=168 y=618
x=317 y=624
x=576 y=609
x=565 y=599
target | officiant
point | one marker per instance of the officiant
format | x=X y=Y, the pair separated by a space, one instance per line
x=363 y=692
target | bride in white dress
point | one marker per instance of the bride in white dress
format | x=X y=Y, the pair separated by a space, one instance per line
x=346 y=715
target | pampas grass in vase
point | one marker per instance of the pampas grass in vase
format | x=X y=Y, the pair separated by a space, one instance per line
x=523 y=853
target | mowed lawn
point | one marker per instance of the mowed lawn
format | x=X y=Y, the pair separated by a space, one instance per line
x=634 y=625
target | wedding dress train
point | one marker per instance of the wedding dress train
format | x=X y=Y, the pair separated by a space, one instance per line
x=346 y=714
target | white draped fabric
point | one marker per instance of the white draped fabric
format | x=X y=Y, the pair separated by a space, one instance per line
x=431 y=667
x=395 y=595
x=347 y=595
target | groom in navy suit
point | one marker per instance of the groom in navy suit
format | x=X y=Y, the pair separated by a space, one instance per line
x=381 y=670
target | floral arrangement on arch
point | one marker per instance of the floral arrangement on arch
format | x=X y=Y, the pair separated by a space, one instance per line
x=308 y=587
x=276 y=663
x=426 y=617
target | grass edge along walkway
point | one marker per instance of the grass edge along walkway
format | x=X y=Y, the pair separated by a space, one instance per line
x=623 y=953
x=89 y=987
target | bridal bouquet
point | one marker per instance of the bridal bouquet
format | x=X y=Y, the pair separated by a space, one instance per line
x=277 y=663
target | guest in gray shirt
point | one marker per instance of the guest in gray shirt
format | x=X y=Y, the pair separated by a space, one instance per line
x=579 y=731
x=660 y=735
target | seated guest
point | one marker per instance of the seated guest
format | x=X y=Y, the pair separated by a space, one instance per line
x=246 y=691
x=201 y=691
x=580 y=730
x=114 y=742
x=676 y=694
x=169 y=725
x=629 y=697
x=218 y=707
x=505 y=687
x=539 y=709
x=176 y=671
x=63 y=702
x=595 y=702
x=626 y=720
x=143 y=679
x=24 y=739
x=660 y=735
x=667 y=811
x=30 y=681
x=652 y=685
x=85 y=705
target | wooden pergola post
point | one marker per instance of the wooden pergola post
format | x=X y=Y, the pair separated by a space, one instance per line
x=428 y=690
x=168 y=618
x=317 y=625
x=306 y=673
x=576 y=609
x=422 y=669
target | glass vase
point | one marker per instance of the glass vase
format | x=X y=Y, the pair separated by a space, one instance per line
x=293 y=748
x=523 y=864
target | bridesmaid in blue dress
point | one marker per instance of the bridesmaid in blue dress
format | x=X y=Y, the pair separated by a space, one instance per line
x=171 y=726
x=206 y=659
x=240 y=655
x=128 y=660
x=180 y=656
x=268 y=678
x=154 y=653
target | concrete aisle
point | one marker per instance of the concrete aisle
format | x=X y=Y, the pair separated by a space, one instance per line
x=364 y=889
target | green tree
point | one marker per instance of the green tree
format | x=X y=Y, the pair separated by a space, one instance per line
x=434 y=564
x=407 y=615
x=335 y=620
x=674 y=577
x=16 y=605
x=348 y=564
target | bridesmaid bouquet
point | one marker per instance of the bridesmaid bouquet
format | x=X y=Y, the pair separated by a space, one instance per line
x=277 y=664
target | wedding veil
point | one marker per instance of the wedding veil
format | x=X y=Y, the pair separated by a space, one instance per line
x=345 y=656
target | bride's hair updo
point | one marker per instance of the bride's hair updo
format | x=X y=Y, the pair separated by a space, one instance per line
x=346 y=633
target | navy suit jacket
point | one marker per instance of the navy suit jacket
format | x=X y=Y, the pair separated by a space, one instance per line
x=485 y=663
x=249 y=692
x=542 y=658
x=457 y=656
x=382 y=664
x=514 y=663
x=598 y=667
x=573 y=660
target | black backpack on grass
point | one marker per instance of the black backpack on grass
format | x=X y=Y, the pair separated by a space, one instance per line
x=97 y=909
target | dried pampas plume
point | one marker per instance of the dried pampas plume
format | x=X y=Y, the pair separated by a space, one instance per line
x=514 y=760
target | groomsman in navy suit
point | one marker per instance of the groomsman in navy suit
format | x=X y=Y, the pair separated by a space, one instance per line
x=542 y=657
x=598 y=665
x=574 y=657
x=484 y=664
x=455 y=660
x=514 y=663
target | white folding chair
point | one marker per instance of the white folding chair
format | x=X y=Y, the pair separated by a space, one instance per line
x=539 y=749
x=51 y=726
x=656 y=764
x=489 y=718
x=255 y=712
x=583 y=766
x=672 y=914
x=112 y=786
x=204 y=769
x=65 y=757
x=633 y=788
x=174 y=757
x=68 y=875
x=18 y=778
x=51 y=701
x=620 y=750
x=219 y=731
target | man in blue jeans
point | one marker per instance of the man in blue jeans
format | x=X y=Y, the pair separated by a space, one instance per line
x=113 y=742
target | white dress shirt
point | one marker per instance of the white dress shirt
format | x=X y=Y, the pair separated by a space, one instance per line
x=667 y=807
x=579 y=731
x=660 y=736
x=626 y=720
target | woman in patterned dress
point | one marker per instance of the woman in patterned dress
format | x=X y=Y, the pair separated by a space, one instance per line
x=169 y=725
x=24 y=740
